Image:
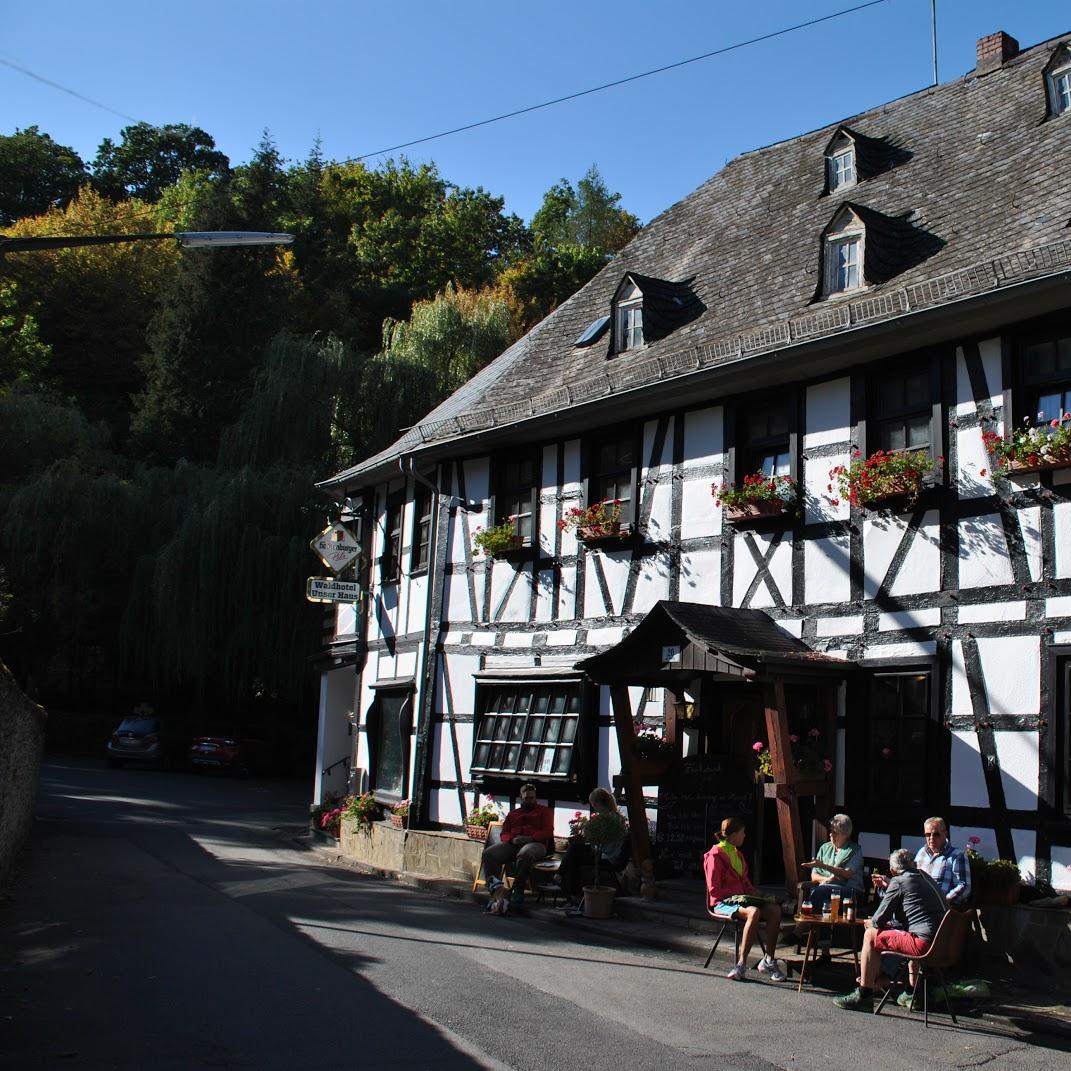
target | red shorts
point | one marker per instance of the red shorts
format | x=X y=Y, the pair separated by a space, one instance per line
x=907 y=944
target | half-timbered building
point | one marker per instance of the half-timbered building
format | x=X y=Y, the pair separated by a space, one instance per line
x=899 y=281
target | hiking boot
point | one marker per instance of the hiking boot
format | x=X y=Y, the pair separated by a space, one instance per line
x=856 y=1000
x=770 y=967
x=738 y=973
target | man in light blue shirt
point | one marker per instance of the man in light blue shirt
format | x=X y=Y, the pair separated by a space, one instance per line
x=948 y=866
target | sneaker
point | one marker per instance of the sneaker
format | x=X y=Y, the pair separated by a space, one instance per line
x=738 y=973
x=770 y=967
x=906 y=998
x=494 y=884
x=856 y=1000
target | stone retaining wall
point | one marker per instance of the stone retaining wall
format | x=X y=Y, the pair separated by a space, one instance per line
x=1027 y=940
x=22 y=734
x=425 y=852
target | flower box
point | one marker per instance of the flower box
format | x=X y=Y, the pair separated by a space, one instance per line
x=397 y=821
x=1017 y=468
x=763 y=509
x=593 y=533
x=476 y=832
x=884 y=477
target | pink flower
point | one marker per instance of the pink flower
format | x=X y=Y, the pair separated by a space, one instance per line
x=983 y=472
x=974 y=840
x=758 y=746
x=827 y=765
x=886 y=752
x=794 y=738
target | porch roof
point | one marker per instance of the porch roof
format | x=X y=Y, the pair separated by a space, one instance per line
x=677 y=641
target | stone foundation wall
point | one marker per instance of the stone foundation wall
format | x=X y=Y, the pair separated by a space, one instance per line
x=431 y=854
x=1034 y=941
x=22 y=734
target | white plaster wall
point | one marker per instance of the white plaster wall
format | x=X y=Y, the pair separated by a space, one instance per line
x=904 y=619
x=967 y=787
x=1011 y=666
x=458 y=607
x=700 y=576
x=828 y=413
x=444 y=807
x=1061 y=516
x=983 y=553
x=703 y=437
x=846 y=625
x=516 y=608
x=478 y=479
x=745 y=570
x=549 y=462
x=1060 y=856
x=992 y=611
x=405 y=664
x=333 y=734
x=991 y=364
x=615 y=567
x=660 y=523
x=567 y=600
x=1030 y=526
x=881 y=537
x=605 y=637
x=974 y=474
x=1025 y=842
x=875 y=845
x=458 y=667
x=916 y=649
x=417 y=603
x=653 y=582
x=987 y=844
x=664 y=461
x=549 y=515
x=544 y=595
x=961 y=696
x=345 y=619
x=699 y=515
x=1058 y=607
x=571 y=467
x=826 y=571
x=818 y=499
x=1017 y=753
x=921 y=571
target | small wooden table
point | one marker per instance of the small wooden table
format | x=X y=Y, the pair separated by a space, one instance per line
x=813 y=923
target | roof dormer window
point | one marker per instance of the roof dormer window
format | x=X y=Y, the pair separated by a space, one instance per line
x=629 y=318
x=1058 y=79
x=843 y=253
x=841 y=169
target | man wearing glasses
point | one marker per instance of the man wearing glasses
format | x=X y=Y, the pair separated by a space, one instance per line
x=947 y=865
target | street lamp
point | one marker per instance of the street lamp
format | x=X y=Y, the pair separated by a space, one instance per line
x=186 y=239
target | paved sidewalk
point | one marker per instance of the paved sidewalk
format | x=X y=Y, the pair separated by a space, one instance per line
x=677 y=922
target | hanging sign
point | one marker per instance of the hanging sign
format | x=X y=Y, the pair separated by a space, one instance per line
x=328 y=589
x=336 y=547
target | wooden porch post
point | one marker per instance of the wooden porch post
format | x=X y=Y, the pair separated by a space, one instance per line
x=637 y=813
x=785 y=778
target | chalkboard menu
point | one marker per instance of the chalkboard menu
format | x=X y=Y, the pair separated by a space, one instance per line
x=692 y=801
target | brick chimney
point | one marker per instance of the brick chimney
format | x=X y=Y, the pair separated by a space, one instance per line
x=994 y=51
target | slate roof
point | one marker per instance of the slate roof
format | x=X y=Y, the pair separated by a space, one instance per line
x=748 y=637
x=973 y=173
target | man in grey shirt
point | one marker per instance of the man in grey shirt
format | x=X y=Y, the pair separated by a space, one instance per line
x=905 y=922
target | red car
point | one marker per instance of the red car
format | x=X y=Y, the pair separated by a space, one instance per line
x=222 y=750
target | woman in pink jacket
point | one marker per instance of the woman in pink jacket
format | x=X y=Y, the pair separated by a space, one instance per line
x=731 y=895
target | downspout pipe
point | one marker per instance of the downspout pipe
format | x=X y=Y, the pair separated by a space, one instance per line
x=418 y=807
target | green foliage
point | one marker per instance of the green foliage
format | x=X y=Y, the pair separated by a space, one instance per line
x=23 y=356
x=494 y=540
x=541 y=282
x=589 y=216
x=36 y=174
x=149 y=158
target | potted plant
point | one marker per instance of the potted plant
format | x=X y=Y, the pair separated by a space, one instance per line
x=602 y=829
x=577 y=824
x=599 y=521
x=363 y=810
x=479 y=819
x=885 y=474
x=497 y=540
x=1031 y=447
x=758 y=496
x=763 y=763
x=331 y=817
x=399 y=813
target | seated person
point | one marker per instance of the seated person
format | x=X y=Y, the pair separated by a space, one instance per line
x=838 y=866
x=905 y=922
x=947 y=865
x=527 y=835
x=730 y=895
x=579 y=854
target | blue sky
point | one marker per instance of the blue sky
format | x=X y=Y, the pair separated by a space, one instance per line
x=363 y=76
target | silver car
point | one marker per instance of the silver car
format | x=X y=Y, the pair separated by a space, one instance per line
x=138 y=739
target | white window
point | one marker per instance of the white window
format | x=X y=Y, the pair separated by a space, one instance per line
x=842 y=169
x=1060 y=90
x=844 y=263
x=629 y=318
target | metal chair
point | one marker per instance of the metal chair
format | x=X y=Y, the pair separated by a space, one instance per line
x=738 y=927
x=945 y=951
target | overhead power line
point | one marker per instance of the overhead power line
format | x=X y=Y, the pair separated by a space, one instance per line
x=623 y=81
x=63 y=89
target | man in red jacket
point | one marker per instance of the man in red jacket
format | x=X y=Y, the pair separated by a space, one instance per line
x=527 y=836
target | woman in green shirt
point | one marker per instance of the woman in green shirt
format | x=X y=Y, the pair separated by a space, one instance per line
x=838 y=866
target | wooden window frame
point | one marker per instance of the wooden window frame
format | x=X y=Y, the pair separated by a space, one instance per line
x=929 y=368
x=629 y=516
x=836 y=181
x=852 y=235
x=423 y=511
x=509 y=493
x=1058 y=84
x=390 y=561
x=746 y=450
x=375 y=724
x=511 y=731
x=1031 y=386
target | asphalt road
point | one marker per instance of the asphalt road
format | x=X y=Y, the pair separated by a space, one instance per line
x=165 y=921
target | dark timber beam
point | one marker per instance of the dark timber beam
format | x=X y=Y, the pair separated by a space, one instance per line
x=637 y=813
x=785 y=778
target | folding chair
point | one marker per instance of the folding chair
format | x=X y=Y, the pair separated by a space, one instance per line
x=945 y=951
x=738 y=928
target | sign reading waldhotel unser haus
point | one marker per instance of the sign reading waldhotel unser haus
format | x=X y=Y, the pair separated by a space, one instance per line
x=897 y=283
